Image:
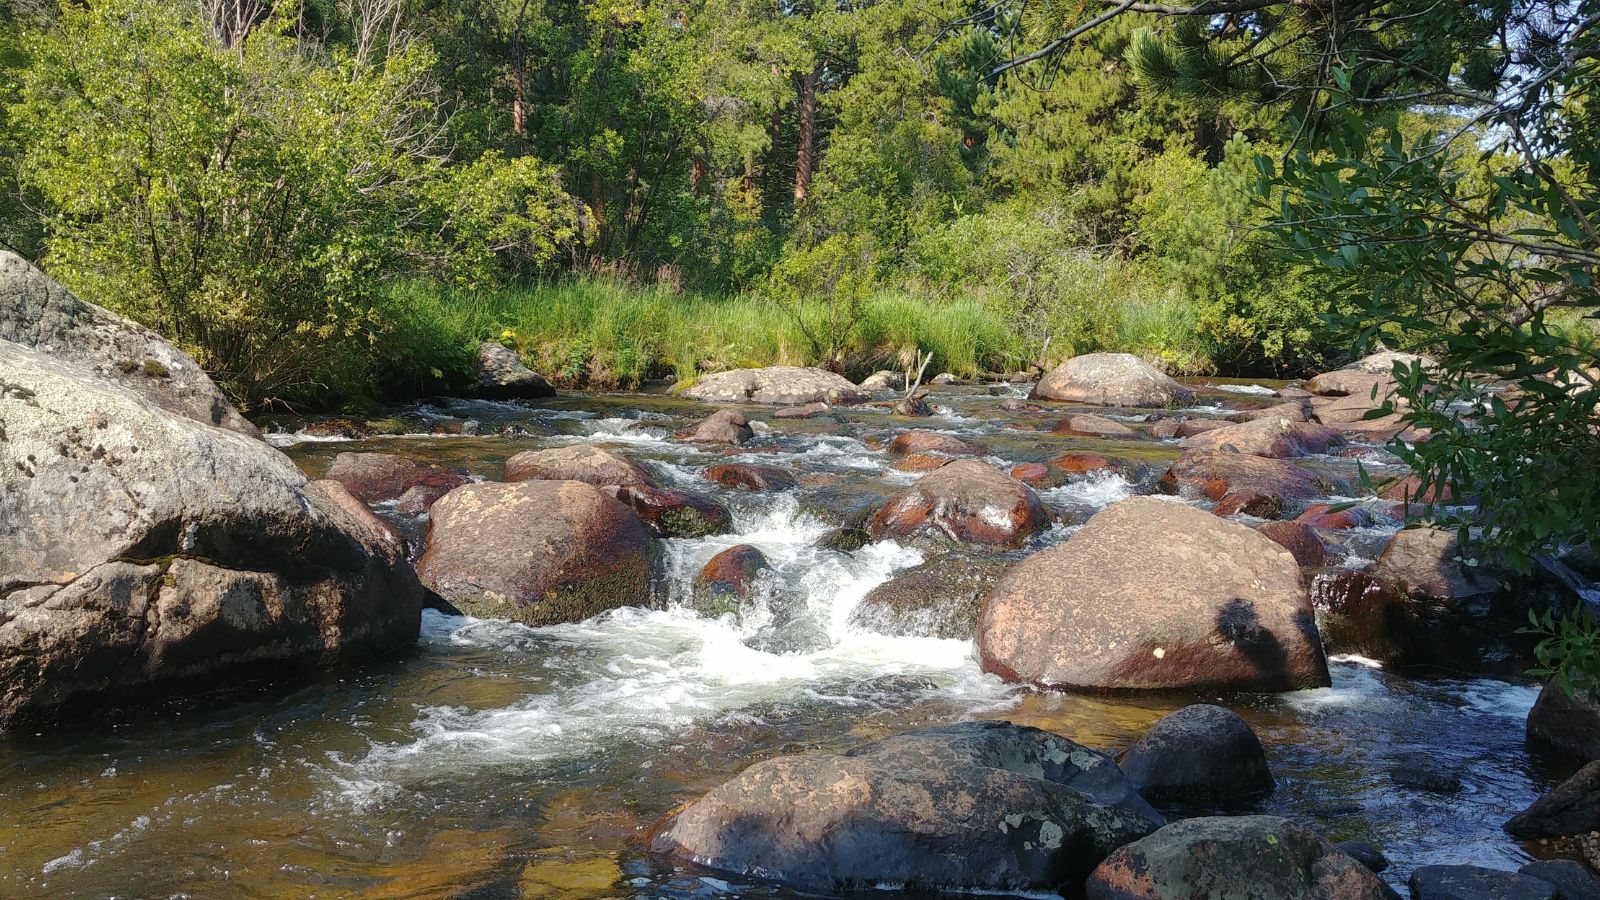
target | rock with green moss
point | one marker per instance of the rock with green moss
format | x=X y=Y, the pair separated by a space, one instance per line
x=537 y=552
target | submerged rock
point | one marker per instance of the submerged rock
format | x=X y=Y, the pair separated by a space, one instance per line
x=38 y=313
x=674 y=514
x=910 y=442
x=1424 y=771
x=1366 y=854
x=976 y=805
x=537 y=552
x=1243 y=856
x=1151 y=595
x=729 y=578
x=1200 y=754
x=1477 y=883
x=502 y=376
x=1090 y=425
x=725 y=426
x=967 y=502
x=780 y=385
x=938 y=598
x=1110 y=379
x=382 y=477
x=808 y=411
x=1272 y=437
x=144 y=551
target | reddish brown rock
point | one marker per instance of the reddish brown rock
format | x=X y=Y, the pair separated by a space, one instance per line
x=1409 y=489
x=381 y=477
x=582 y=462
x=1078 y=463
x=1299 y=539
x=725 y=426
x=751 y=478
x=1254 y=484
x=729 y=577
x=808 y=411
x=920 y=462
x=670 y=513
x=537 y=552
x=908 y=442
x=1154 y=595
x=1274 y=438
x=1353 y=383
x=1036 y=475
x=966 y=501
x=1188 y=428
x=1090 y=425
x=1166 y=429
x=1293 y=411
x=1321 y=515
x=1293 y=393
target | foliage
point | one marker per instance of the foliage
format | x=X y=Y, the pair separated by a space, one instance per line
x=249 y=200
x=1568 y=651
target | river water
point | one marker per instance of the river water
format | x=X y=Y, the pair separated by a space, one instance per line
x=497 y=760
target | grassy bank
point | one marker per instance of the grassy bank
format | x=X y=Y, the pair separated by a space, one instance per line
x=606 y=333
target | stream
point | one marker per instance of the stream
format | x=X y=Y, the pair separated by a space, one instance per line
x=497 y=760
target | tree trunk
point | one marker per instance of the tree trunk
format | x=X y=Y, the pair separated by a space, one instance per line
x=805 y=157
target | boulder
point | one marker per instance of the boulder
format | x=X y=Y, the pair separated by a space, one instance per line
x=1409 y=490
x=1428 y=562
x=943 y=378
x=1292 y=393
x=537 y=552
x=1091 y=425
x=1200 y=754
x=1190 y=426
x=1374 y=388
x=729 y=578
x=1293 y=411
x=1477 y=883
x=883 y=381
x=1274 y=438
x=1269 y=488
x=1382 y=362
x=502 y=376
x=920 y=462
x=1151 y=595
x=725 y=426
x=1572 y=808
x=938 y=598
x=778 y=385
x=673 y=514
x=808 y=411
x=1079 y=463
x=1571 y=879
x=985 y=806
x=1366 y=854
x=908 y=442
x=384 y=477
x=580 y=462
x=144 y=551
x=1240 y=856
x=38 y=313
x=1567 y=723
x=1110 y=379
x=966 y=501
x=1299 y=539
x=1037 y=475
x=914 y=406
x=751 y=478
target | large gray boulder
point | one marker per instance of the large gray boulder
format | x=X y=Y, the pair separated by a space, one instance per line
x=38 y=313
x=781 y=385
x=1155 y=595
x=1110 y=379
x=143 y=551
x=1566 y=722
x=975 y=805
x=537 y=552
x=502 y=375
x=1242 y=856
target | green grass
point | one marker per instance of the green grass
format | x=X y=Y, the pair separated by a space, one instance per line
x=607 y=333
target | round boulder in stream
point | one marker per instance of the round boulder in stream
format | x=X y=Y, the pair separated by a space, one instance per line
x=667 y=512
x=382 y=477
x=1201 y=754
x=502 y=376
x=729 y=578
x=536 y=552
x=1110 y=379
x=1155 y=595
x=1239 y=482
x=1566 y=722
x=975 y=805
x=939 y=598
x=1234 y=856
x=919 y=441
x=1273 y=437
x=967 y=502
x=725 y=426
x=750 y=477
x=780 y=385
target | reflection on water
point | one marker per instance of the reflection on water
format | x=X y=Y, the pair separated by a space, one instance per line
x=497 y=760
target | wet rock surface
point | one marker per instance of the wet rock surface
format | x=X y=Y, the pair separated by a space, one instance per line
x=939 y=598
x=965 y=502
x=1198 y=755
x=383 y=477
x=1110 y=379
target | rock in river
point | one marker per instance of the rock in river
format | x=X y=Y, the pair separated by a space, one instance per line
x=1273 y=437
x=725 y=426
x=966 y=501
x=536 y=552
x=582 y=462
x=382 y=477
x=975 y=805
x=502 y=376
x=143 y=550
x=1478 y=883
x=938 y=598
x=781 y=385
x=1568 y=723
x=1572 y=808
x=38 y=313
x=923 y=441
x=1110 y=379
x=1239 y=482
x=1243 y=857
x=1198 y=755
x=1153 y=594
